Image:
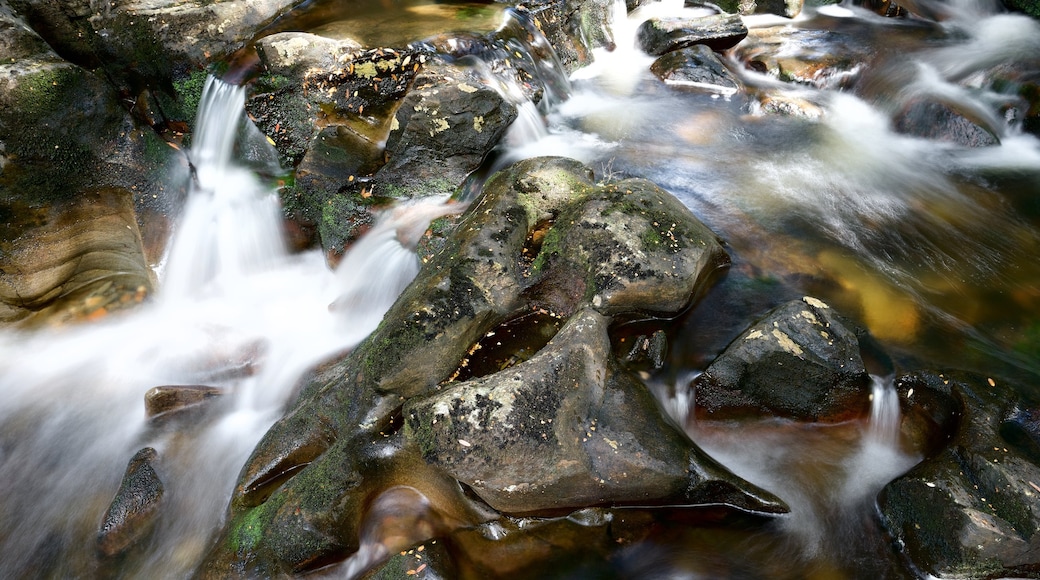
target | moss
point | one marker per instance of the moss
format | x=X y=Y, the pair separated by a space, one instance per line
x=651 y=239
x=189 y=93
x=247 y=530
x=551 y=246
x=40 y=93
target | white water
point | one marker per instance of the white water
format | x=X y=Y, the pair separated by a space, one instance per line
x=234 y=310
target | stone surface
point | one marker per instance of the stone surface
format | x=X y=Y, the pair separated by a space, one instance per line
x=299 y=501
x=801 y=361
x=569 y=429
x=169 y=400
x=938 y=121
x=971 y=509
x=718 y=32
x=135 y=507
x=696 y=68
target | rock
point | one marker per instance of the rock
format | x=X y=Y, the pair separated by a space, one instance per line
x=973 y=508
x=629 y=246
x=427 y=561
x=299 y=499
x=135 y=507
x=167 y=401
x=70 y=261
x=696 y=68
x=938 y=121
x=719 y=32
x=449 y=121
x=569 y=429
x=572 y=27
x=801 y=362
x=796 y=55
x=788 y=8
x=140 y=43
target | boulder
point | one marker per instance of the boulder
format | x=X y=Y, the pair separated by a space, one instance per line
x=696 y=68
x=133 y=511
x=659 y=35
x=942 y=122
x=569 y=429
x=144 y=43
x=351 y=434
x=972 y=509
x=800 y=362
x=174 y=400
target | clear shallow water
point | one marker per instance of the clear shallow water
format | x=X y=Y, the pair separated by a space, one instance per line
x=932 y=246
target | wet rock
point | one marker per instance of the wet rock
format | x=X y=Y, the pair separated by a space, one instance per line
x=449 y=121
x=801 y=361
x=972 y=509
x=167 y=401
x=630 y=246
x=427 y=561
x=70 y=261
x=938 y=121
x=569 y=429
x=135 y=507
x=574 y=28
x=719 y=32
x=328 y=107
x=301 y=495
x=788 y=8
x=141 y=42
x=798 y=55
x=696 y=68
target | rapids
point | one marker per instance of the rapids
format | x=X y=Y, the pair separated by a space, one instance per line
x=930 y=244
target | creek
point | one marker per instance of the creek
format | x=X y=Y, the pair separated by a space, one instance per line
x=930 y=245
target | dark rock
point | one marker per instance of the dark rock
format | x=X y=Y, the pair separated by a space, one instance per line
x=630 y=246
x=139 y=43
x=449 y=121
x=427 y=561
x=569 y=429
x=973 y=508
x=135 y=507
x=298 y=502
x=719 y=32
x=696 y=68
x=166 y=401
x=573 y=28
x=788 y=8
x=801 y=361
x=934 y=120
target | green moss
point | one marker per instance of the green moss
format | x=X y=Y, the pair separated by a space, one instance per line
x=40 y=93
x=651 y=239
x=551 y=246
x=247 y=530
x=189 y=93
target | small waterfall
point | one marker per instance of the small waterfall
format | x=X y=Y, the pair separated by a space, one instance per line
x=885 y=417
x=231 y=226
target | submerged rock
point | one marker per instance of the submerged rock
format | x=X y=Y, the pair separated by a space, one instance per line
x=801 y=361
x=174 y=400
x=135 y=507
x=972 y=509
x=938 y=121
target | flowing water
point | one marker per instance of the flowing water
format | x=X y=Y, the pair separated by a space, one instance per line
x=931 y=245
x=235 y=311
